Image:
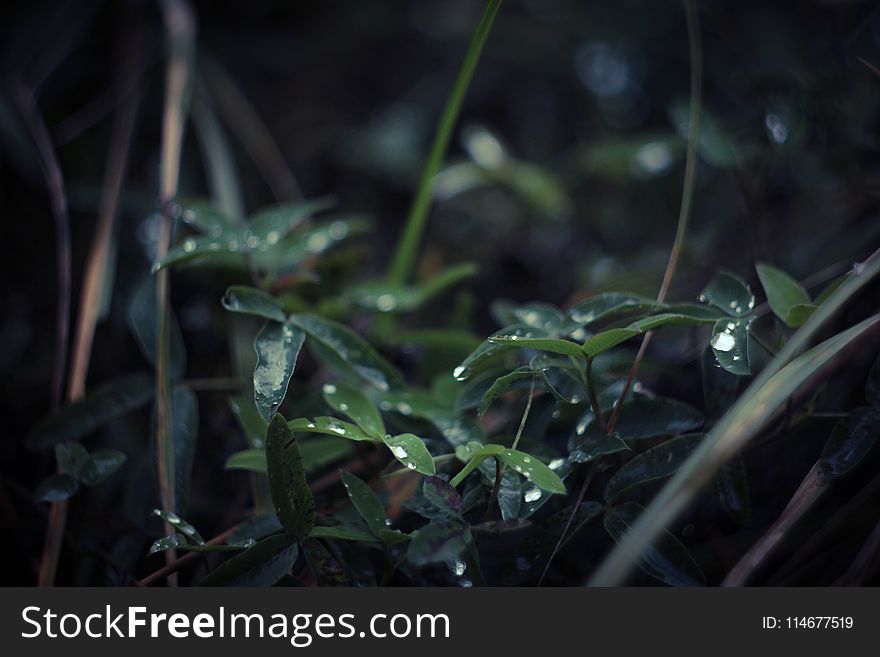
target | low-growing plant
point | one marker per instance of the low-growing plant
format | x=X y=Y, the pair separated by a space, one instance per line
x=379 y=451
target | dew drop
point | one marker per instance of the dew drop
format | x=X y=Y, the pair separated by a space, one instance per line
x=723 y=342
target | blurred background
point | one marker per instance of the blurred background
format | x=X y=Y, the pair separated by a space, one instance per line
x=563 y=180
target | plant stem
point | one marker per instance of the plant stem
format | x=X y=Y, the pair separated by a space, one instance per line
x=525 y=415
x=594 y=398
x=405 y=253
x=687 y=191
x=180 y=27
x=687 y=194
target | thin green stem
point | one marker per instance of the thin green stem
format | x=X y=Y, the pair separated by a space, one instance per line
x=687 y=191
x=405 y=253
x=525 y=415
x=594 y=398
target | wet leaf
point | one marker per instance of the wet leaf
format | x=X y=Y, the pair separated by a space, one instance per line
x=490 y=349
x=207 y=218
x=347 y=399
x=330 y=426
x=173 y=540
x=102 y=404
x=350 y=350
x=269 y=225
x=654 y=463
x=596 y=443
x=180 y=525
x=644 y=418
x=667 y=559
x=55 y=488
x=533 y=469
x=262 y=564
x=456 y=429
x=251 y=301
x=788 y=299
x=850 y=441
x=277 y=346
x=553 y=345
x=411 y=451
x=607 y=304
x=294 y=504
x=367 y=503
x=730 y=293
x=729 y=342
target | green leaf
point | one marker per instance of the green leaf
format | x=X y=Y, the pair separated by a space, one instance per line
x=800 y=313
x=330 y=426
x=473 y=459
x=253 y=460
x=226 y=251
x=850 y=441
x=533 y=469
x=101 y=464
x=732 y=489
x=667 y=559
x=249 y=419
x=540 y=316
x=268 y=226
x=342 y=533
x=554 y=345
x=384 y=297
x=490 y=349
x=442 y=539
x=206 y=218
x=729 y=342
x=606 y=340
x=180 y=525
x=654 y=463
x=350 y=350
x=730 y=293
x=644 y=418
x=456 y=429
x=501 y=385
x=71 y=457
x=347 y=399
x=367 y=503
x=294 y=504
x=277 y=346
x=262 y=564
x=142 y=324
x=770 y=390
x=596 y=443
x=251 y=301
x=173 y=540
x=609 y=303
x=102 y=404
x=411 y=451
x=784 y=293
x=55 y=488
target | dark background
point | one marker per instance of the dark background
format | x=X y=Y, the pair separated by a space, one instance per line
x=585 y=93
